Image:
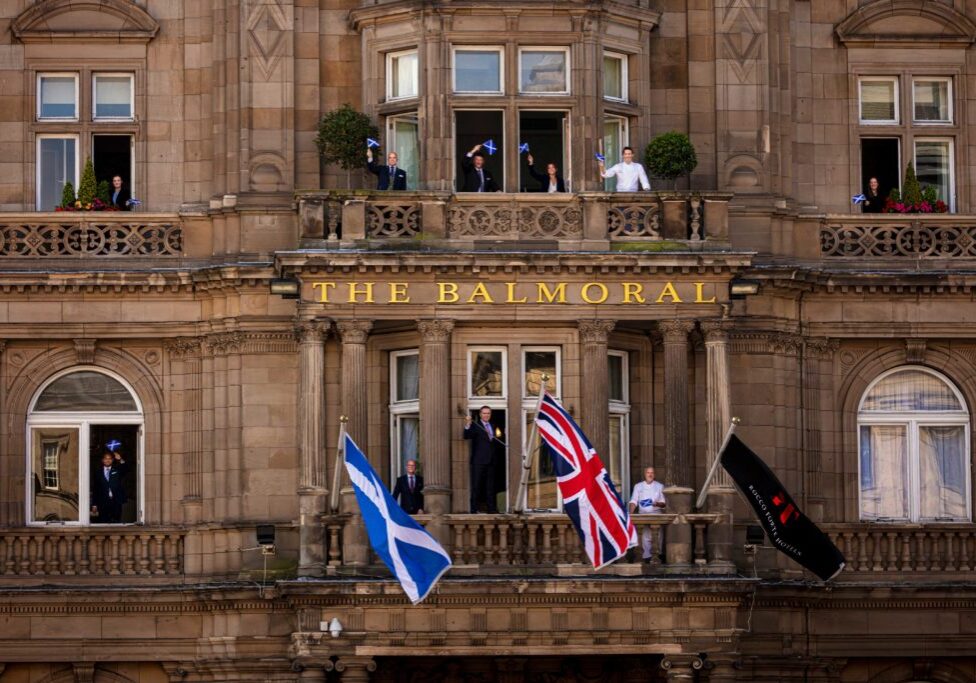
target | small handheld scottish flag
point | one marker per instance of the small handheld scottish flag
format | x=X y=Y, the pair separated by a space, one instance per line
x=600 y=157
x=490 y=146
x=859 y=198
x=523 y=148
x=133 y=202
x=113 y=445
x=370 y=142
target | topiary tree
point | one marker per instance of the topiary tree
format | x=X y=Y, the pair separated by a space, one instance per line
x=911 y=191
x=105 y=191
x=68 y=195
x=670 y=155
x=88 y=187
x=342 y=138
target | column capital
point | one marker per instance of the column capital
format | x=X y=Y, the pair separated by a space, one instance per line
x=715 y=331
x=311 y=331
x=351 y=666
x=595 y=331
x=676 y=331
x=354 y=331
x=435 y=331
x=681 y=667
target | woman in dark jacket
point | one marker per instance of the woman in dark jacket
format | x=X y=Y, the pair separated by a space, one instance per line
x=873 y=201
x=120 y=196
x=550 y=181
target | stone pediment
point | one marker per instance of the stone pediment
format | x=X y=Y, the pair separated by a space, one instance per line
x=115 y=21
x=903 y=23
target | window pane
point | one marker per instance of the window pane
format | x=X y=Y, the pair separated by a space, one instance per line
x=932 y=101
x=113 y=493
x=884 y=480
x=615 y=364
x=58 y=97
x=877 y=100
x=113 y=97
x=408 y=439
x=54 y=474
x=57 y=166
x=613 y=143
x=615 y=458
x=86 y=391
x=942 y=459
x=933 y=166
x=542 y=492
x=477 y=71
x=613 y=77
x=404 y=68
x=544 y=71
x=408 y=377
x=406 y=143
x=538 y=363
x=911 y=391
x=486 y=373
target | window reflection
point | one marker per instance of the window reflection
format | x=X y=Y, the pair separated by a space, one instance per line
x=486 y=373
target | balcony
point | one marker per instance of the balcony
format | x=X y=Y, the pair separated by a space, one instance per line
x=78 y=235
x=897 y=239
x=905 y=551
x=591 y=221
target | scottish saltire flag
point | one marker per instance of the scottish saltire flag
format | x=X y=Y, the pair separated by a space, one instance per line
x=415 y=558
x=858 y=198
x=589 y=497
x=370 y=142
x=490 y=146
x=600 y=157
x=523 y=148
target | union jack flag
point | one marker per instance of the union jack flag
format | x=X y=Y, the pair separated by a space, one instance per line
x=589 y=497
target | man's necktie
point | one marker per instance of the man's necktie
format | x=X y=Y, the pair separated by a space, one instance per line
x=481 y=178
x=411 y=484
x=392 y=171
x=488 y=429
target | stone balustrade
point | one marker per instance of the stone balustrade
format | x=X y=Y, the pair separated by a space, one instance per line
x=72 y=235
x=898 y=236
x=907 y=549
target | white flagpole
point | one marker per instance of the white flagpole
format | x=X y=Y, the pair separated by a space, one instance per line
x=340 y=463
x=715 y=463
x=528 y=453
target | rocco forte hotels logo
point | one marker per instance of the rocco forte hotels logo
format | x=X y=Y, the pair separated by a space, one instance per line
x=512 y=293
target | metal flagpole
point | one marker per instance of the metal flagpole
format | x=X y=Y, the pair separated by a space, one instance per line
x=340 y=463
x=714 y=468
x=527 y=457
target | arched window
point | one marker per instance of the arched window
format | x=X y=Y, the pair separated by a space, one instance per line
x=913 y=433
x=84 y=451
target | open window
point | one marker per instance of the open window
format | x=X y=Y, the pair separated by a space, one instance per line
x=474 y=127
x=545 y=133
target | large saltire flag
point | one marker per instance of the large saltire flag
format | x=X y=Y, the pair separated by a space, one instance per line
x=415 y=558
x=589 y=497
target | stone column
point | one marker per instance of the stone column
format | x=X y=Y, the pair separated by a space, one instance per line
x=677 y=489
x=718 y=415
x=435 y=422
x=355 y=669
x=681 y=668
x=353 y=333
x=721 y=668
x=595 y=388
x=312 y=488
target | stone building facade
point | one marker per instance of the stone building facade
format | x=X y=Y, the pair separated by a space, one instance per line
x=217 y=333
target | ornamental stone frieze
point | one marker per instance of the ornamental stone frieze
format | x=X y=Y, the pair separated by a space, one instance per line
x=766 y=342
x=230 y=343
x=179 y=347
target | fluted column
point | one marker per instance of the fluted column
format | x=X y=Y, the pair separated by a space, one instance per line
x=312 y=487
x=353 y=334
x=435 y=421
x=595 y=414
x=677 y=489
x=718 y=415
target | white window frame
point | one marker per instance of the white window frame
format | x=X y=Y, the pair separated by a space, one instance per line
x=624 y=123
x=56 y=469
x=949 y=95
x=528 y=407
x=951 y=199
x=546 y=48
x=393 y=145
x=132 y=95
x=622 y=408
x=399 y=410
x=37 y=158
x=559 y=374
x=501 y=402
x=82 y=421
x=478 y=48
x=897 y=101
x=391 y=74
x=624 y=76
x=912 y=421
x=57 y=74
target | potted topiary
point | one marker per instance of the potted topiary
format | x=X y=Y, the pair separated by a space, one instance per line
x=913 y=198
x=342 y=138
x=671 y=156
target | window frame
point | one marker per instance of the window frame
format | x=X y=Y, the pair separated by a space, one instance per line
x=624 y=76
x=623 y=123
x=478 y=48
x=897 y=101
x=41 y=75
x=400 y=409
x=543 y=48
x=622 y=408
x=501 y=401
x=37 y=165
x=393 y=145
x=392 y=75
x=94 y=98
x=528 y=406
x=532 y=348
x=951 y=199
x=949 y=95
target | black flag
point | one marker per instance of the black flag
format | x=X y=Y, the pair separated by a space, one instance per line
x=790 y=531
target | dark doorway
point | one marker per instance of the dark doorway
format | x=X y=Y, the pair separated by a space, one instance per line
x=124 y=440
x=543 y=132
x=499 y=421
x=474 y=128
x=112 y=156
x=880 y=159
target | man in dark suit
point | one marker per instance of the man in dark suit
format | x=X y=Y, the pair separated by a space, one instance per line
x=409 y=490
x=484 y=446
x=389 y=177
x=108 y=491
x=477 y=178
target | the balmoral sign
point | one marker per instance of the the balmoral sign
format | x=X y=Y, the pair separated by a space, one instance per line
x=529 y=292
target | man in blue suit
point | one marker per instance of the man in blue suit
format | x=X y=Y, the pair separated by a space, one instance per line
x=389 y=177
x=108 y=491
x=484 y=455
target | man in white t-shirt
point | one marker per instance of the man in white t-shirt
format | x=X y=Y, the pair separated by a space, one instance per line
x=648 y=498
x=628 y=172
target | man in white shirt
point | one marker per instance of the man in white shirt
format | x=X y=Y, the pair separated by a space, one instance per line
x=628 y=173
x=648 y=498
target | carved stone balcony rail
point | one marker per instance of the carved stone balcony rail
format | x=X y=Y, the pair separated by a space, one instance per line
x=898 y=237
x=906 y=549
x=88 y=234
x=571 y=222
x=95 y=551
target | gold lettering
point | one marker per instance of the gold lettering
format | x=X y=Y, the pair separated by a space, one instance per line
x=447 y=293
x=551 y=295
x=698 y=294
x=632 y=290
x=324 y=294
x=511 y=295
x=398 y=293
x=668 y=291
x=585 y=293
x=481 y=291
x=366 y=291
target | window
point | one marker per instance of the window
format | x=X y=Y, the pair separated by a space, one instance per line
x=537 y=362
x=879 y=100
x=913 y=432
x=544 y=71
x=57 y=96
x=478 y=70
x=112 y=97
x=614 y=140
x=77 y=418
x=403 y=136
x=933 y=167
x=932 y=100
x=404 y=410
x=614 y=76
x=542 y=492
x=402 y=75
x=488 y=386
x=618 y=459
x=57 y=164
x=487 y=373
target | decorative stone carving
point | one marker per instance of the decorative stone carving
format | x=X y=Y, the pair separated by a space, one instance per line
x=639 y=221
x=310 y=331
x=915 y=350
x=907 y=240
x=435 y=331
x=676 y=331
x=354 y=331
x=183 y=346
x=82 y=236
x=392 y=220
x=515 y=220
x=595 y=331
x=85 y=351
